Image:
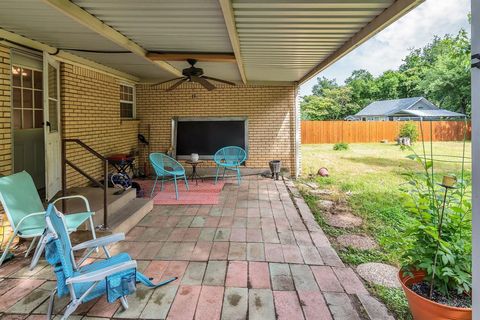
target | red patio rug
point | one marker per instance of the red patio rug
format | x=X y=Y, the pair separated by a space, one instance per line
x=205 y=192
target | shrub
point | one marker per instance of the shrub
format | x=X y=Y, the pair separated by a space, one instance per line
x=409 y=130
x=340 y=146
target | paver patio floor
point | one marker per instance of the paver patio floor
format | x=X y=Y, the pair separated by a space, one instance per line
x=255 y=256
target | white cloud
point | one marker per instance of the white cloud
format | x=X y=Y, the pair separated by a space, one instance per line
x=387 y=49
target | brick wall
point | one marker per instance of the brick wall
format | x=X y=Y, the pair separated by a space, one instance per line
x=270 y=112
x=5 y=113
x=91 y=113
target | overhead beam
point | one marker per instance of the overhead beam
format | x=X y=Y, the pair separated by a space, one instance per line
x=93 y=23
x=228 y=15
x=199 y=56
x=13 y=39
x=383 y=20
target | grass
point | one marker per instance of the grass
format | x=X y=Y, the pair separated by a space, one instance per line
x=369 y=177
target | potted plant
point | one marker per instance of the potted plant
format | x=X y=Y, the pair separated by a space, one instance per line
x=436 y=248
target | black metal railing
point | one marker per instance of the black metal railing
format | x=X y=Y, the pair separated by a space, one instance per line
x=103 y=185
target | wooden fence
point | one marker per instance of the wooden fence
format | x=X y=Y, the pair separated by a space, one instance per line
x=316 y=132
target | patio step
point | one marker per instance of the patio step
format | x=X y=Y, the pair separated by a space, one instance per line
x=124 y=210
x=130 y=215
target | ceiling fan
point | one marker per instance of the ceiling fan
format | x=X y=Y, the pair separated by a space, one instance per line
x=193 y=74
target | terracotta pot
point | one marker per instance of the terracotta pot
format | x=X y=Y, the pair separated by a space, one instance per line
x=425 y=309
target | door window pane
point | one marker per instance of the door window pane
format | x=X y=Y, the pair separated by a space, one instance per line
x=27 y=98
x=38 y=80
x=27 y=78
x=17 y=98
x=38 y=95
x=52 y=82
x=17 y=118
x=27 y=118
x=38 y=118
x=16 y=76
x=53 y=115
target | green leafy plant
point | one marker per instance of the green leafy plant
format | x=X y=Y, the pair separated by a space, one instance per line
x=340 y=146
x=409 y=130
x=438 y=239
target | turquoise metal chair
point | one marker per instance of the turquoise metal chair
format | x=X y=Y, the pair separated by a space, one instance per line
x=26 y=213
x=116 y=276
x=230 y=158
x=166 y=166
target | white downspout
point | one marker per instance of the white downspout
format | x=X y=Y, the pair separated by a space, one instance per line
x=476 y=160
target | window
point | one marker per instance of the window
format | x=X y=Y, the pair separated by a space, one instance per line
x=127 y=101
x=27 y=98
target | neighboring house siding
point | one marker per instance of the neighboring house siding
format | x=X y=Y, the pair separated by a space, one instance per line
x=5 y=113
x=270 y=111
x=423 y=105
x=91 y=113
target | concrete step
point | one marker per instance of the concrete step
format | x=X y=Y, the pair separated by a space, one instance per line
x=127 y=217
x=95 y=198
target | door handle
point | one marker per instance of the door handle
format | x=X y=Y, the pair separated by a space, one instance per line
x=48 y=124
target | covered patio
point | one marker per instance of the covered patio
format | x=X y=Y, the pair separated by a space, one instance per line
x=259 y=254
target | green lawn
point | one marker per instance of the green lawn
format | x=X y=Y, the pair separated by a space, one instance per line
x=368 y=177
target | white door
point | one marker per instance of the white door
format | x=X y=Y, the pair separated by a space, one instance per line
x=51 y=80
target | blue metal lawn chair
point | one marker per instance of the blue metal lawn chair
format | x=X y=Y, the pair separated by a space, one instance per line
x=116 y=276
x=229 y=158
x=26 y=213
x=167 y=167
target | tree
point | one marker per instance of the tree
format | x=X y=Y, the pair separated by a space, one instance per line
x=322 y=84
x=440 y=72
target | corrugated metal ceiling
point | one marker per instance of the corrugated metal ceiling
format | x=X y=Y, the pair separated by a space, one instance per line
x=283 y=40
x=280 y=40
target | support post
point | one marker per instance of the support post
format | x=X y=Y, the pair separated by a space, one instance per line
x=105 y=195
x=475 y=161
x=64 y=174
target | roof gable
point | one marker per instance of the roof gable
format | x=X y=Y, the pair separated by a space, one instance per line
x=387 y=107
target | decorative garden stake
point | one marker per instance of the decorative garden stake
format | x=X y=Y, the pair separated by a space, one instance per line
x=448 y=182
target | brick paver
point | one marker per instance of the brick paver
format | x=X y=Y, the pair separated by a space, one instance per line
x=251 y=256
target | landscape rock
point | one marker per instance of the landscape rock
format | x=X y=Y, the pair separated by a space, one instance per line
x=325 y=204
x=361 y=242
x=380 y=274
x=321 y=192
x=342 y=220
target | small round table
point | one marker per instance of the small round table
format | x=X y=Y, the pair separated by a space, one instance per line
x=194 y=176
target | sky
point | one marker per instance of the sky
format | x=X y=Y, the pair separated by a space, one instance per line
x=386 y=50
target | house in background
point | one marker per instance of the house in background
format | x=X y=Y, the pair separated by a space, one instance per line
x=406 y=109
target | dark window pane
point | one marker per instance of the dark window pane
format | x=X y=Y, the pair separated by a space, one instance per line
x=17 y=98
x=27 y=78
x=16 y=74
x=27 y=98
x=126 y=110
x=38 y=118
x=27 y=119
x=38 y=95
x=38 y=80
x=17 y=118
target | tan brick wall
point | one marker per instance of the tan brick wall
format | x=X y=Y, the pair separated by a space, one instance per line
x=270 y=112
x=5 y=112
x=91 y=113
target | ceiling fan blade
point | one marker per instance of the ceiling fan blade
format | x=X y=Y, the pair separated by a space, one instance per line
x=219 y=80
x=159 y=83
x=207 y=85
x=177 y=84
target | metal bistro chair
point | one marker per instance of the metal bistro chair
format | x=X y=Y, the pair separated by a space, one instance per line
x=229 y=158
x=165 y=166
x=26 y=213
x=116 y=276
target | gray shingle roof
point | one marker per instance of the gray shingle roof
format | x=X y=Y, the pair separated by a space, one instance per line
x=434 y=113
x=386 y=107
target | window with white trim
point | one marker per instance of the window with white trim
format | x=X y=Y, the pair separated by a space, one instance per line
x=127 y=101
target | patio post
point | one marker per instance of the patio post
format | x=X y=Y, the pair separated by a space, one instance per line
x=475 y=36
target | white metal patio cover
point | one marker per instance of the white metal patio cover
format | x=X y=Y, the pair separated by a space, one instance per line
x=250 y=41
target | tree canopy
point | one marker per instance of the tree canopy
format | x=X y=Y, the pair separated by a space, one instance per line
x=440 y=72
